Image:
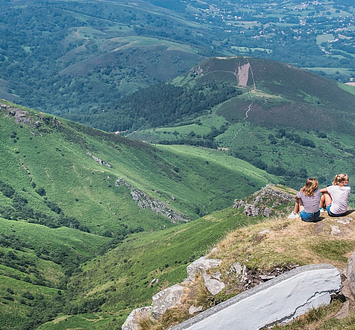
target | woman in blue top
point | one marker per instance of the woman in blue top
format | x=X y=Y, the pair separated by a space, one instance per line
x=307 y=202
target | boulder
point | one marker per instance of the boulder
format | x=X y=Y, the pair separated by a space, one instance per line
x=278 y=300
x=133 y=319
x=166 y=299
x=212 y=282
x=350 y=273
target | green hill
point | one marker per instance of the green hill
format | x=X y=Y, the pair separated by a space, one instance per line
x=287 y=121
x=70 y=194
x=77 y=57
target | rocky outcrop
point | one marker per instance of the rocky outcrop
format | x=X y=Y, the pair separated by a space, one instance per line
x=24 y=117
x=166 y=299
x=146 y=202
x=197 y=71
x=21 y=116
x=133 y=319
x=172 y=296
x=288 y=295
x=277 y=301
x=264 y=201
x=350 y=273
x=213 y=281
x=101 y=162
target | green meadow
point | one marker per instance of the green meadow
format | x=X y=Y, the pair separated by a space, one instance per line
x=76 y=246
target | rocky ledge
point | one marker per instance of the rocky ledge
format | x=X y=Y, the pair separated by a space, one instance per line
x=265 y=201
x=146 y=202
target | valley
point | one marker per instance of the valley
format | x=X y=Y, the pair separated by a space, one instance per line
x=132 y=134
x=71 y=195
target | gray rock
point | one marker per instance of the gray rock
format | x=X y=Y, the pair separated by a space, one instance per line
x=166 y=299
x=213 y=285
x=350 y=271
x=145 y=202
x=279 y=300
x=335 y=231
x=212 y=282
x=238 y=268
x=154 y=281
x=132 y=321
x=267 y=212
x=194 y=310
x=201 y=265
x=345 y=221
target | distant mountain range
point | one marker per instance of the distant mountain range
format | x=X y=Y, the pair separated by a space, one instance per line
x=78 y=57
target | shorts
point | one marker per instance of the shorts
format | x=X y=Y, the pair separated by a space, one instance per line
x=331 y=214
x=310 y=217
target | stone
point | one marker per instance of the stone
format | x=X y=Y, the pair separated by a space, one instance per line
x=133 y=319
x=201 y=265
x=214 y=286
x=166 y=299
x=335 y=231
x=238 y=268
x=278 y=300
x=154 y=281
x=345 y=221
x=343 y=312
x=264 y=232
x=194 y=310
x=212 y=282
x=267 y=212
x=350 y=271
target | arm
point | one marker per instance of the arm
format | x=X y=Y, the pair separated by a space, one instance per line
x=323 y=190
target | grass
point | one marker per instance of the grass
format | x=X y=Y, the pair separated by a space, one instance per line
x=58 y=162
x=164 y=255
x=280 y=242
x=53 y=156
x=273 y=243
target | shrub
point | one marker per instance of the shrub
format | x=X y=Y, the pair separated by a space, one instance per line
x=40 y=191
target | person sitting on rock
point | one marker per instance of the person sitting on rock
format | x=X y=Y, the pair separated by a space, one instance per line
x=335 y=197
x=307 y=202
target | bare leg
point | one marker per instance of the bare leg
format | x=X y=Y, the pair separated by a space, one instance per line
x=325 y=200
x=298 y=206
x=301 y=205
x=322 y=201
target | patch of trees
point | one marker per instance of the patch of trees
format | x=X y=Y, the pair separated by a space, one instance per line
x=117 y=237
x=86 y=306
x=23 y=264
x=290 y=177
x=42 y=309
x=161 y=105
x=11 y=241
x=282 y=133
x=192 y=142
x=20 y=209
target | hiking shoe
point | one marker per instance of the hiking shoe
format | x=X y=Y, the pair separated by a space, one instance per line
x=293 y=215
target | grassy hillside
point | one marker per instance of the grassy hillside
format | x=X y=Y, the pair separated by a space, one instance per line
x=287 y=121
x=267 y=249
x=123 y=276
x=70 y=194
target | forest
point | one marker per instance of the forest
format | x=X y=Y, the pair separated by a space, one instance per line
x=70 y=58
